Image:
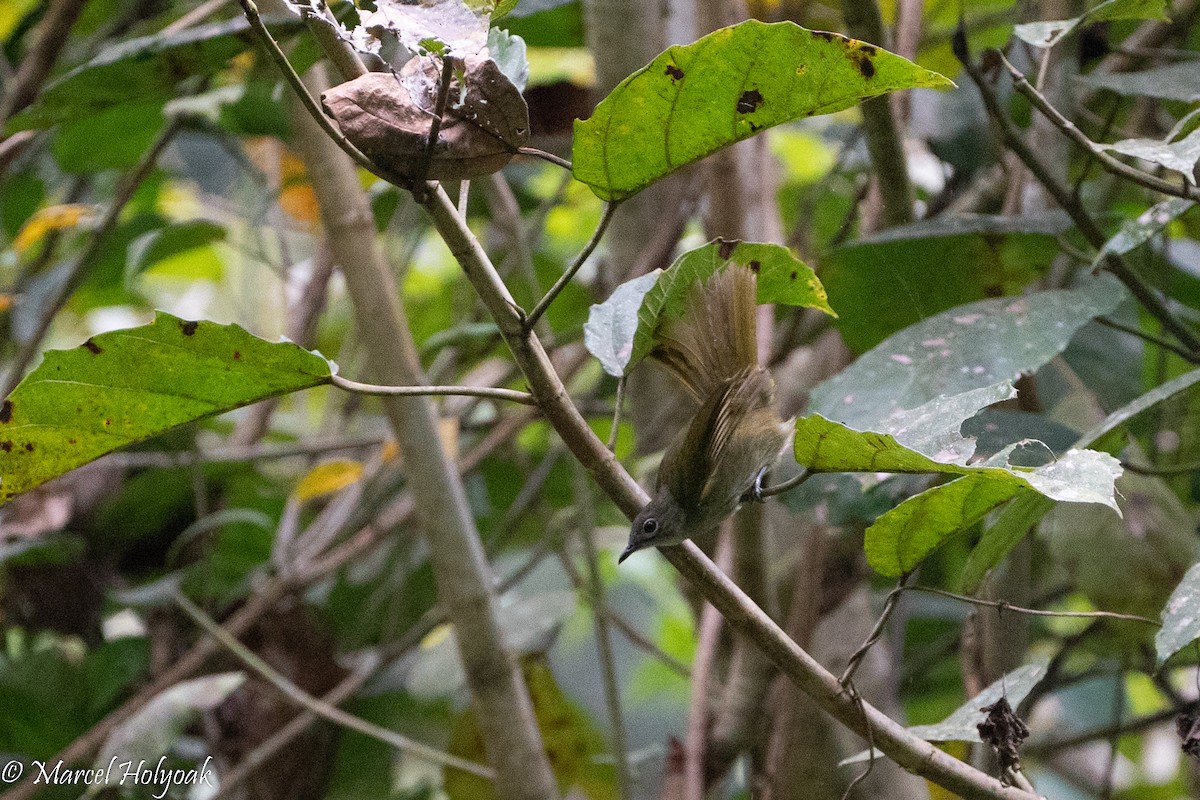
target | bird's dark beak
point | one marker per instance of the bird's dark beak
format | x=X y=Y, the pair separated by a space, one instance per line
x=629 y=550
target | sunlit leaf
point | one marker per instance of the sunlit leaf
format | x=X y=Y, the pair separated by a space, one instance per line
x=327 y=478
x=1180 y=617
x=124 y=386
x=152 y=731
x=52 y=218
x=693 y=100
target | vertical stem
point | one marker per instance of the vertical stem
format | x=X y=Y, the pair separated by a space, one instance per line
x=465 y=587
x=884 y=138
x=608 y=667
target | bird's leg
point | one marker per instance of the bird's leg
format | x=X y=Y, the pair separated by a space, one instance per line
x=755 y=493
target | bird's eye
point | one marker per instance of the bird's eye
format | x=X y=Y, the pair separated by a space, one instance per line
x=650 y=526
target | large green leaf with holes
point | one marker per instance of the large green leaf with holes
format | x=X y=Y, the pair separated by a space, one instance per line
x=124 y=386
x=693 y=100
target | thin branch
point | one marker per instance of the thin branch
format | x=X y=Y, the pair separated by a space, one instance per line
x=1099 y=152
x=78 y=270
x=195 y=16
x=544 y=156
x=37 y=62
x=616 y=418
x=1170 y=469
x=435 y=128
x=788 y=485
x=1003 y=606
x=533 y=316
x=741 y=613
x=608 y=667
x=512 y=395
x=310 y=104
x=1114 y=263
x=889 y=607
x=1151 y=338
x=317 y=706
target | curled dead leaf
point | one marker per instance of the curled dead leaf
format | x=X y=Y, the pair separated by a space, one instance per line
x=387 y=116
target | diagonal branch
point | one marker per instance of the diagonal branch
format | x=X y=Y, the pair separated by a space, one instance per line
x=741 y=613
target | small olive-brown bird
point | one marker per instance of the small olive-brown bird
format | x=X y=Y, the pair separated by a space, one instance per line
x=736 y=434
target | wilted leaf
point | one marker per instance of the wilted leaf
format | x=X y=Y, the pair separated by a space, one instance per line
x=620 y=341
x=1136 y=232
x=1180 y=617
x=124 y=386
x=965 y=348
x=449 y=26
x=905 y=274
x=388 y=118
x=693 y=100
x=1180 y=156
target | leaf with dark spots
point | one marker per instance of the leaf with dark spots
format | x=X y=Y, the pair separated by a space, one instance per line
x=725 y=247
x=866 y=67
x=749 y=101
x=756 y=265
x=740 y=80
x=92 y=347
x=793 y=275
x=76 y=407
x=6 y=446
x=237 y=355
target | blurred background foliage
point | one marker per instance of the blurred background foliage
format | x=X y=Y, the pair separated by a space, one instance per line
x=225 y=227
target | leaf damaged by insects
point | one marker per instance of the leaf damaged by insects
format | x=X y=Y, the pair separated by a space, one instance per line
x=388 y=118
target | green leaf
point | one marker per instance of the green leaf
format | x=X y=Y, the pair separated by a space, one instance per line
x=899 y=540
x=1024 y=512
x=932 y=265
x=693 y=100
x=509 y=52
x=1180 y=156
x=965 y=348
x=620 y=331
x=1011 y=526
x=185 y=247
x=1136 y=232
x=925 y=439
x=1174 y=82
x=124 y=386
x=1180 y=617
x=147 y=69
x=902 y=537
x=112 y=138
